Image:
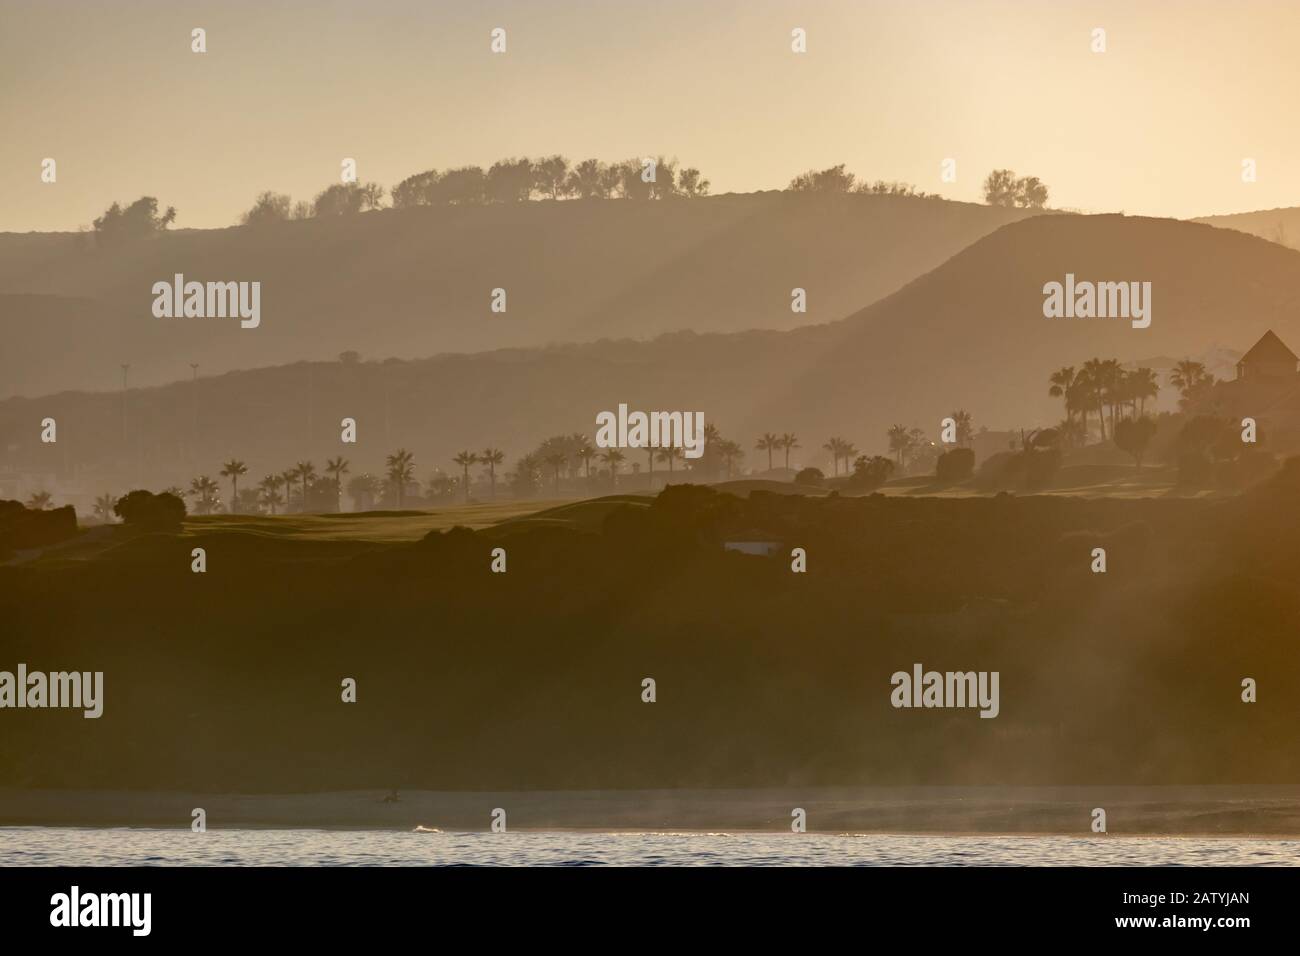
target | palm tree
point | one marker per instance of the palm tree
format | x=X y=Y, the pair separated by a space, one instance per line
x=270 y=491
x=527 y=475
x=270 y=488
x=289 y=476
x=1095 y=382
x=205 y=491
x=104 y=508
x=1191 y=380
x=465 y=459
x=271 y=499
x=363 y=489
x=964 y=429
x=768 y=442
x=574 y=447
x=233 y=469
x=789 y=440
x=1143 y=385
x=708 y=461
x=492 y=457
x=1064 y=384
x=584 y=454
x=337 y=468
x=1071 y=432
x=1111 y=379
x=670 y=454
x=305 y=471
x=556 y=460
x=401 y=469
x=613 y=457
x=1123 y=394
x=1187 y=374
x=731 y=453
x=1086 y=393
x=900 y=442
x=836 y=447
x=40 y=500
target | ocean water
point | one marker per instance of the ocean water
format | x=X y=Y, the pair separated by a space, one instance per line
x=53 y=846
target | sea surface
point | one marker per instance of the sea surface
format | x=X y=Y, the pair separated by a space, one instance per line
x=53 y=846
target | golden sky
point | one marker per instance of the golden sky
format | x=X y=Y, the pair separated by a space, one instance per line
x=1158 y=124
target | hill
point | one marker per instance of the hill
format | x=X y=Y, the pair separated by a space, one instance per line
x=229 y=681
x=417 y=282
x=972 y=333
x=969 y=334
x=1276 y=225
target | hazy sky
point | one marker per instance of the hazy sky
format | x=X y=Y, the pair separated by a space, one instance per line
x=1158 y=124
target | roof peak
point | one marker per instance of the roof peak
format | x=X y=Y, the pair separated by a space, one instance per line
x=1270 y=346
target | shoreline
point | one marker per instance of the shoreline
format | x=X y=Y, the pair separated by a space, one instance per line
x=1200 y=811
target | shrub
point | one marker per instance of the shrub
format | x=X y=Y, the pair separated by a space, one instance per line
x=143 y=509
x=955 y=465
x=870 y=473
x=810 y=476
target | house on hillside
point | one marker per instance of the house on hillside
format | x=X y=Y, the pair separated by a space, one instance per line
x=1267 y=389
x=1269 y=360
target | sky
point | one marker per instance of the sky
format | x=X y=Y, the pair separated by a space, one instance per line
x=1158 y=124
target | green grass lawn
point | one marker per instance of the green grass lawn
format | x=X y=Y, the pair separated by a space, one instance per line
x=395 y=526
x=378 y=526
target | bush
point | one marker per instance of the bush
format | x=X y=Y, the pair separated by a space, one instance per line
x=955 y=465
x=140 y=220
x=810 y=476
x=996 y=471
x=1032 y=468
x=143 y=509
x=1133 y=435
x=1041 y=467
x=870 y=473
x=23 y=528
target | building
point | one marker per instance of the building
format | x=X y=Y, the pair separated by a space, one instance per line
x=1267 y=389
x=1269 y=360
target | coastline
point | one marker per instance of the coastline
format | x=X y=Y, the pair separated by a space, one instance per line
x=1262 y=811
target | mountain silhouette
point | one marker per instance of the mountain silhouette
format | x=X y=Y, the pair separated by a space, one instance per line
x=968 y=334
x=417 y=282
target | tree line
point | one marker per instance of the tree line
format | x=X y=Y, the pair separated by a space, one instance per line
x=571 y=459
x=521 y=179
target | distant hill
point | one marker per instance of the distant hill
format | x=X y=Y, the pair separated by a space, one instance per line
x=416 y=282
x=972 y=333
x=1276 y=225
x=969 y=334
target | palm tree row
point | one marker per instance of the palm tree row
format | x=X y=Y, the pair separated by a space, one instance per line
x=771 y=442
x=1103 y=385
